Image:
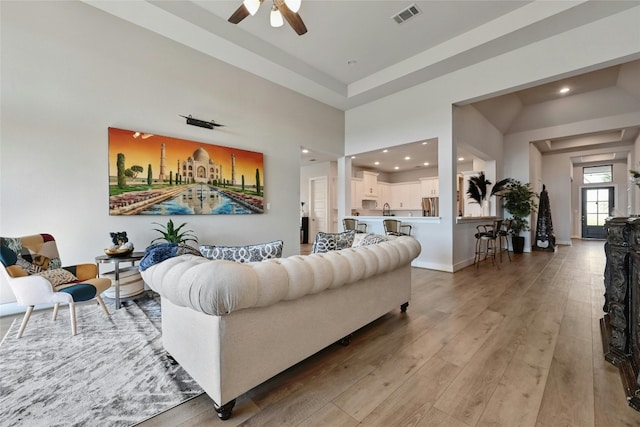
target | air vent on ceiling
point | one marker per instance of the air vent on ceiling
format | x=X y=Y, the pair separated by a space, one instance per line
x=406 y=14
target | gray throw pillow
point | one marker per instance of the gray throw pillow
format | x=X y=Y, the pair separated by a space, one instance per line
x=247 y=253
x=326 y=242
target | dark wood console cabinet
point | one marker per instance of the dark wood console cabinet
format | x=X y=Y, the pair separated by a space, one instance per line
x=620 y=326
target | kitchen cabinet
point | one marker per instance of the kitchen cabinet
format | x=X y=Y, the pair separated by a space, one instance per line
x=429 y=187
x=406 y=196
x=370 y=185
x=356 y=193
x=384 y=194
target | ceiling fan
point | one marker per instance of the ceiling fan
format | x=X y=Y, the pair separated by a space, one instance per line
x=287 y=9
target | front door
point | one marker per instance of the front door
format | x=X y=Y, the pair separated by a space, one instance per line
x=597 y=205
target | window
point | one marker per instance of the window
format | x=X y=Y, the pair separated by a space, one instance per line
x=597 y=174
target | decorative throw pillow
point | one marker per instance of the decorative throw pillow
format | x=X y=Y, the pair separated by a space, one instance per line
x=58 y=276
x=372 y=239
x=326 y=242
x=248 y=253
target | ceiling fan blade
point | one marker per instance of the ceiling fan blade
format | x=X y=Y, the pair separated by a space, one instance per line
x=240 y=13
x=292 y=18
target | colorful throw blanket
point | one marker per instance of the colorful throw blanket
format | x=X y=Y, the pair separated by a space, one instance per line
x=158 y=253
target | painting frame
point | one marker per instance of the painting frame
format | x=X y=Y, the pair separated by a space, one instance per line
x=152 y=174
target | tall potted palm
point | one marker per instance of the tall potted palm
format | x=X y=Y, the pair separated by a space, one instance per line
x=520 y=200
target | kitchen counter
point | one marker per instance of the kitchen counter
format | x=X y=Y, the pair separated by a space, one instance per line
x=423 y=228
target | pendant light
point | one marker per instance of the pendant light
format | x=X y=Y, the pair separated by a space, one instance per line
x=252 y=6
x=293 y=5
x=276 y=17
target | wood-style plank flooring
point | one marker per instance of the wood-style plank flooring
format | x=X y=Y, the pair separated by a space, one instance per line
x=515 y=346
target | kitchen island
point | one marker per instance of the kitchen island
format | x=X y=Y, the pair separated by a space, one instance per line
x=421 y=228
x=432 y=233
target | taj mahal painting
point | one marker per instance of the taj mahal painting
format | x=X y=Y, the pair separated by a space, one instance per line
x=158 y=175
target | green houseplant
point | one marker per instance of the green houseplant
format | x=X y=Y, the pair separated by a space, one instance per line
x=172 y=234
x=520 y=200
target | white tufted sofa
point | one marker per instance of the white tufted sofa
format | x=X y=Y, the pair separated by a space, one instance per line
x=232 y=326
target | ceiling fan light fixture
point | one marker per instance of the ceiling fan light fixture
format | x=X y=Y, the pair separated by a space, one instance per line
x=293 y=5
x=276 y=17
x=252 y=6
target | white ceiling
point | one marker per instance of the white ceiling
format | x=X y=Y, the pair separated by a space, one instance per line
x=354 y=52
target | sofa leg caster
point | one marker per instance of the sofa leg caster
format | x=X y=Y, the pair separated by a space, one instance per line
x=346 y=340
x=403 y=307
x=224 y=411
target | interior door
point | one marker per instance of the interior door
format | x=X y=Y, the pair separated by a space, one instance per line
x=318 y=209
x=597 y=204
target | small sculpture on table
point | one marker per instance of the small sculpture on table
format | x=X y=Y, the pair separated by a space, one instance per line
x=121 y=245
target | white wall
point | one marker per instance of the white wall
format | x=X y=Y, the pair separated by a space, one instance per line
x=70 y=71
x=424 y=111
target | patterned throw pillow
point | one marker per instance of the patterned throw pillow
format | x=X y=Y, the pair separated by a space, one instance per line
x=248 y=253
x=373 y=239
x=326 y=242
x=58 y=276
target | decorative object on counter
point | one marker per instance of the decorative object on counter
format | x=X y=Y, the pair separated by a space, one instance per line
x=478 y=189
x=386 y=210
x=172 y=234
x=545 y=238
x=519 y=200
x=121 y=245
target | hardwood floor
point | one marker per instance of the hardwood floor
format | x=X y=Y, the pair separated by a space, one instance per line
x=515 y=346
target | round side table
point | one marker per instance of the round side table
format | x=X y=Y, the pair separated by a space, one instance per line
x=132 y=258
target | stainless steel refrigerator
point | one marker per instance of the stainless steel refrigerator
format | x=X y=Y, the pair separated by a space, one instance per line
x=430 y=206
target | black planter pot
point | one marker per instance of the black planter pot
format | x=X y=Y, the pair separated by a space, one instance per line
x=517 y=242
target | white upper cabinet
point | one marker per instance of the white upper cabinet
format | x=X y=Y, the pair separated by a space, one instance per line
x=406 y=196
x=356 y=193
x=429 y=187
x=370 y=182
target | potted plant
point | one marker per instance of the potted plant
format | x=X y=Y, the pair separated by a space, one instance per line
x=519 y=200
x=173 y=234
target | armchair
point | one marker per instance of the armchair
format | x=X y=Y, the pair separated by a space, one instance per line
x=32 y=267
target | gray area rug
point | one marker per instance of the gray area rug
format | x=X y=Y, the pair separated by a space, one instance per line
x=113 y=373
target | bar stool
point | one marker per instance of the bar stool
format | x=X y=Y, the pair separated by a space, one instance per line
x=396 y=228
x=503 y=236
x=353 y=224
x=487 y=237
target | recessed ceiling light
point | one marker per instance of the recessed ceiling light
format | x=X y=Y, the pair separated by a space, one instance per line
x=385 y=151
x=353 y=157
x=407 y=158
x=425 y=143
x=304 y=150
x=397 y=167
x=460 y=159
x=376 y=163
x=426 y=163
x=564 y=90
